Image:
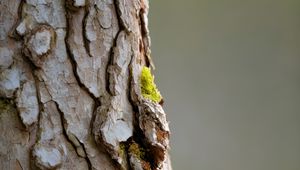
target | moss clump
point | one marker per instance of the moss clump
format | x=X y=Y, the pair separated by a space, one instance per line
x=136 y=150
x=148 y=87
x=122 y=150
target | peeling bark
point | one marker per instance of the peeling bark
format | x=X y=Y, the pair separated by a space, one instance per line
x=70 y=91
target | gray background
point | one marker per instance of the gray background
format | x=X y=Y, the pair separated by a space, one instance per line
x=230 y=75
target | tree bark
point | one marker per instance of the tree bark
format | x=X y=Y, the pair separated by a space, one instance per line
x=70 y=87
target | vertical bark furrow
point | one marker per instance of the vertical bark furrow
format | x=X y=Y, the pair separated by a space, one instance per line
x=146 y=40
x=90 y=68
x=77 y=53
x=85 y=40
x=128 y=14
x=113 y=123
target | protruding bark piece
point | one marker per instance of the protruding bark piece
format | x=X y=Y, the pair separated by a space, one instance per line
x=21 y=28
x=6 y=58
x=151 y=118
x=9 y=81
x=51 y=135
x=27 y=104
x=79 y=3
x=39 y=44
x=47 y=157
x=75 y=5
x=152 y=121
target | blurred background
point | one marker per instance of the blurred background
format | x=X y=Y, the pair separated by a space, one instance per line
x=230 y=75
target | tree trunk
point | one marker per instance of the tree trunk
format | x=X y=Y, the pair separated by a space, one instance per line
x=72 y=89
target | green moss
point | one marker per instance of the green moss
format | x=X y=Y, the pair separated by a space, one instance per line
x=122 y=150
x=136 y=150
x=122 y=156
x=148 y=87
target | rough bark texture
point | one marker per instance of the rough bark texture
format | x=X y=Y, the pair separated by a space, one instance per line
x=70 y=87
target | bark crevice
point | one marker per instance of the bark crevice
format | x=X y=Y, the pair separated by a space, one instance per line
x=86 y=42
x=72 y=59
x=64 y=132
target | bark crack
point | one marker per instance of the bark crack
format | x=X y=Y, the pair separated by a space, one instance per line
x=14 y=33
x=110 y=60
x=86 y=42
x=68 y=139
x=74 y=64
x=118 y=12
